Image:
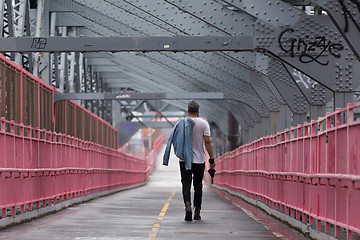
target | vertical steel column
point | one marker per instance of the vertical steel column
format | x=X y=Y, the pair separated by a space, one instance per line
x=45 y=69
x=19 y=23
x=213 y=138
x=91 y=87
x=39 y=13
x=233 y=132
x=299 y=119
x=251 y=133
x=317 y=111
x=101 y=103
x=274 y=122
x=256 y=132
x=342 y=99
x=265 y=126
x=29 y=65
x=53 y=74
x=284 y=121
x=62 y=64
x=97 y=90
x=81 y=72
x=244 y=135
x=72 y=72
x=9 y=10
x=223 y=145
x=77 y=72
x=84 y=67
x=56 y=71
x=111 y=110
x=105 y=102
x=2 y=11
x=71 y=83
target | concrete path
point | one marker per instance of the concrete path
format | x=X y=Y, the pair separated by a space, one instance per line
x=154 y=211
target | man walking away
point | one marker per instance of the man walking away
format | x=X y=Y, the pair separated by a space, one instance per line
x=200 y=136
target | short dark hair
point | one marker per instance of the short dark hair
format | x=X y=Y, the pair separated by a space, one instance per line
x=193 y=106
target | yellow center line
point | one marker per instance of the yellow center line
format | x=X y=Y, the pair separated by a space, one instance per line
x=156 y=227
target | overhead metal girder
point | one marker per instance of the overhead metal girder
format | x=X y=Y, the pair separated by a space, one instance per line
x=287 y=88
x=316 y=94
x=345 y=15
x=227 y=23
x=125 y=44
x=209 y=10
x=324 y=57
x=217 y=18
x=274 y=12
x=218 y=22
x=164 y=25
x=163 y=75
x=136 y=66
x=70 y=19
x=138 y=96
x=88 y=13
x=250 y=59
x=141 y=79
x=100 y=61
x=99 y=8
x=184 y=64
x=310 y=43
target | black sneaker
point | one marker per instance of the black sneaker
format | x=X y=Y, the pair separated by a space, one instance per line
x=188 y=212
x=197 y=214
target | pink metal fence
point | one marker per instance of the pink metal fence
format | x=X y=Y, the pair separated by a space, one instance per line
x=26 y=99
x=39 y=167
x=311 y=172
x=156 y=147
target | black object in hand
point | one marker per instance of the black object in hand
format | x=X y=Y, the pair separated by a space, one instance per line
x=212 y=174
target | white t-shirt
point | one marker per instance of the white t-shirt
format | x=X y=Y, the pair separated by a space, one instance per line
x=200 y=129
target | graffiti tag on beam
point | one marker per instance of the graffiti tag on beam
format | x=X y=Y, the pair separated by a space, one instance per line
x=303 y=79
x=122 y=96
x=307 y=49
x=39 y=43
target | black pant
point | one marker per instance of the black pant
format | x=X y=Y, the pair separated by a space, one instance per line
x=186 y=176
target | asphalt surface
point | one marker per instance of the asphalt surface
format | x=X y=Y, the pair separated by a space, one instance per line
x=154 y=211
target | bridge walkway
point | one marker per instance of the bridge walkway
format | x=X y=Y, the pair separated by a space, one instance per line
x=154 y=211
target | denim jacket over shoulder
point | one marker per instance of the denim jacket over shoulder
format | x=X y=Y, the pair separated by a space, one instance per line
x=181 y=138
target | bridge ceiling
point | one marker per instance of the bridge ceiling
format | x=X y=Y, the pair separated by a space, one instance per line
x=305 y=56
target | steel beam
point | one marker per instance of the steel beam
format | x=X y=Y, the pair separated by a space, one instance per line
x=345 y=15
x=125 y=44
x=99 y=13
x=151 y=124
x=138 y=96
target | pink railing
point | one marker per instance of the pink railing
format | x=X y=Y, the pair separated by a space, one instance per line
x=311 y=172
x=39 y=167
x=26 y=99
x=156 y=147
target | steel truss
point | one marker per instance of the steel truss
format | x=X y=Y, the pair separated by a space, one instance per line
x=259 y=55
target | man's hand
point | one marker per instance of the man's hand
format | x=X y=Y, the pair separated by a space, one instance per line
x=212 y=163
